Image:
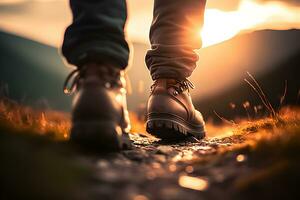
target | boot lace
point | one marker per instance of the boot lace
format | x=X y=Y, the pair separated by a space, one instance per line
x=182 y=86
x=108 y=77
x=179 y=86
x=74 y=78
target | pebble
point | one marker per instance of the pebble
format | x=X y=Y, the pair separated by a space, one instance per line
x=163 y=149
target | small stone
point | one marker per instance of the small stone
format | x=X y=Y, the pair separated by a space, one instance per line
x=170 y=192
x=172 y=168
x=241 y=158
x=163 y=149
x=189 y=169
x=140 y=197
x=160 y=158
x=135 y=155
x=194 y=183
x=102 y=164
x=107 y=85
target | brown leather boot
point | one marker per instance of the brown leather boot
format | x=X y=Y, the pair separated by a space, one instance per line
x=170 y=113
x=99 y=116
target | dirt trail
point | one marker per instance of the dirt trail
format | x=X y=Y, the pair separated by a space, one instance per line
x=256 y=159
x=166 y=171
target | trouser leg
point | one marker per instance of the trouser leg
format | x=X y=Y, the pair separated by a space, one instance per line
x=97 y=33
x=174 y=37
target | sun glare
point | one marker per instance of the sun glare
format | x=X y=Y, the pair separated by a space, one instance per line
x=221 y=25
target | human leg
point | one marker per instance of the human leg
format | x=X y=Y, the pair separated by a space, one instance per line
x=174 y=37
x=96 y=45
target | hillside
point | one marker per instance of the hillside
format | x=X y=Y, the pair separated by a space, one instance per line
x=34 y=72
x=282 y=80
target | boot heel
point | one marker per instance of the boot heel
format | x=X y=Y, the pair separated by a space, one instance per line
x=166 y=126
x=97 y=135
x=165 y=129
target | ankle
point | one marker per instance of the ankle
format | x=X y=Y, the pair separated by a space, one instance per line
x=94 y=68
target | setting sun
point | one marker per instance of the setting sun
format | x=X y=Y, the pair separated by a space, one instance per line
x=220 y=25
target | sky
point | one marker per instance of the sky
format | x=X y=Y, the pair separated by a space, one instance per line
x=46 y=20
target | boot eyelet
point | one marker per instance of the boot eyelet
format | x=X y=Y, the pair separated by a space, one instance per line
x=107 y=85
x=175 y=93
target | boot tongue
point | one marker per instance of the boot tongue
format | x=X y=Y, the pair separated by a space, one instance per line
x=109 y=75
x=178 y=85
x=166 y=82
x=101 y=70
x=171 y=81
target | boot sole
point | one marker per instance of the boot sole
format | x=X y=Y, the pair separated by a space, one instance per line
x=170 y=127
x=104 y=136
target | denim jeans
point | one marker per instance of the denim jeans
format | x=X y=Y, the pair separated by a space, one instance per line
x=97 y=35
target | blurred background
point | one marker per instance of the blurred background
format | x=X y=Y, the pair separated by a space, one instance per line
x=239 y=36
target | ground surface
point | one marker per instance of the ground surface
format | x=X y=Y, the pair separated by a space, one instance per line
x=257 y=159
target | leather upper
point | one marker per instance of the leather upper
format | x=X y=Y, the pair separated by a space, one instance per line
x=169 y=96
x=101 y=95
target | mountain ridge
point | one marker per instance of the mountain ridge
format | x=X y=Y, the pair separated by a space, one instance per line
x=43 y=71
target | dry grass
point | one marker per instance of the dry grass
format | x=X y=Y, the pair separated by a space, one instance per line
x=269 y=148
x=245 y=134
x=34 y=165
x=273 y=148
x=53 y=124
x=56 y=125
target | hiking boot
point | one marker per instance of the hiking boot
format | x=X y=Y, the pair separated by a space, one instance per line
x=170 y=112
x=100 y=118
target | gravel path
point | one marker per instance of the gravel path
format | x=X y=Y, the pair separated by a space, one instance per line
x=152 y=170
